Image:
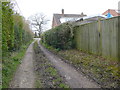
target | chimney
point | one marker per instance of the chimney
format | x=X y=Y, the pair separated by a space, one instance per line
x=82 y=14
x=62 y=12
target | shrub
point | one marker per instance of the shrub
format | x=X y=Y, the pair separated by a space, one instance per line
x=60 y=37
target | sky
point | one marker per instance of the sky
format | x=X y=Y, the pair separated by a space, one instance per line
x=49 y=7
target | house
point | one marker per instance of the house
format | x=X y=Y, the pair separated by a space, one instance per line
x=111 y=13
x=61 y=18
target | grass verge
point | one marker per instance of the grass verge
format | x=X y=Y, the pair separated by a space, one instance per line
x=10 y=64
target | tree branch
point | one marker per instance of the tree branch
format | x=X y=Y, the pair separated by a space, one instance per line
x=38 y=21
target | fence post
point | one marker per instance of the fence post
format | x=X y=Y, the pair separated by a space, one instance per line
x=119 y=38
x=99 y=36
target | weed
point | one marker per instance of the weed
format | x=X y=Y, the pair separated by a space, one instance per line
x=62 y=85
x=52 y=71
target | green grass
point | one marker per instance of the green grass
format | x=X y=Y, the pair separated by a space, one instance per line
x=52 y=71
x=62 y=85
x=10 y=64
x=38 y=83
x=105 y=70
x=57 y=80
x=50 y=47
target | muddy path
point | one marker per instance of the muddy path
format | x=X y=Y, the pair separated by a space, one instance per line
x=74 y=78
x=47 y=76
x=24 y=76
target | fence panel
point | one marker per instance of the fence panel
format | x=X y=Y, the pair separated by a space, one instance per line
x=100 y=37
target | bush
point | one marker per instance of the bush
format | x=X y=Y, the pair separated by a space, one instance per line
x=60 y=37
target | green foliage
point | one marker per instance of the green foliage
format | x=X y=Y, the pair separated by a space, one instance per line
x=15 y=30
x=22 y=31
x=62 y=85
x=52 y=71
x=15 y=34
x=50 y=47
x=10 y=64
x=18 y=27
x=7 y=27
x=59 y=37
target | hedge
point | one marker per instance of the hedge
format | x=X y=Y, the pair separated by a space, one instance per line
x=60 y=37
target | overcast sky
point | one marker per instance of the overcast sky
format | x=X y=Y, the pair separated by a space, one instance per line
x=48 y=7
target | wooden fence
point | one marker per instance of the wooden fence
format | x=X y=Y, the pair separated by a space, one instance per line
x=101 y=37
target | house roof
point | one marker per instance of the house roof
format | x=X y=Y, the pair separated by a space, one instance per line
x=90 y=19
x=57 y=17
x=112 y=12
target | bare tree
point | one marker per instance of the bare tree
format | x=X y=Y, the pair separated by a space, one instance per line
x=38 y=22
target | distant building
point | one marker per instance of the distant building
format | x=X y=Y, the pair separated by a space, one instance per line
x=61 y=18
x=111 y=13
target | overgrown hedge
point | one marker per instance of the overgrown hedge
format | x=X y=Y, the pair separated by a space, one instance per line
x=22 y=33
x=15 y=29
x=7 y=27
x=60 y=37
x=16 y=36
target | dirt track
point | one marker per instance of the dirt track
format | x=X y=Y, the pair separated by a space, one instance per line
x=24 y=76
x=74 y=79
